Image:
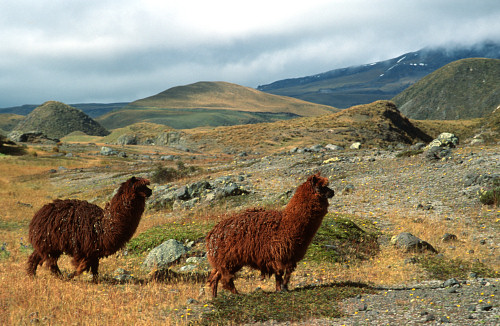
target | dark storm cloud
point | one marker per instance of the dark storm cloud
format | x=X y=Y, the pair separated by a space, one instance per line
x=103 y=51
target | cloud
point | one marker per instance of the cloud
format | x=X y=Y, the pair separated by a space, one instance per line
x=88 y=50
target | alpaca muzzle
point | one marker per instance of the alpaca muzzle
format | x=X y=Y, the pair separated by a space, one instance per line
x=147 y=192
x=327 y=192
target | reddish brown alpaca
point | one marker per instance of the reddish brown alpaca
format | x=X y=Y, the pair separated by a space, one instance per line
x=268 y=240
x=85 y=231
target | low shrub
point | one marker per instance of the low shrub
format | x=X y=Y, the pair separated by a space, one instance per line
x=490 y=197
x=164 y=174
x=442 y=268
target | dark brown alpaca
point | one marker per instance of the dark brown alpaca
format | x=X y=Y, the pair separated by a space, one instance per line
x=85 y=231
x=268 y=240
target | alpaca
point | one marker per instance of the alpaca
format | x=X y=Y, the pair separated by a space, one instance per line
x=272 y=241
x=84 y=230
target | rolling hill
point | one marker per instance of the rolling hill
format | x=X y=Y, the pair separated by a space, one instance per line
x=375 y=124
x=464 y=89
x=343 y=88
x=211 y=104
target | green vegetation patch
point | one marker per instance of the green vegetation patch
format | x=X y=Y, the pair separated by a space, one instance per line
x=339 y=239
x=180 y=231
x=490 y=197
x=441 y=268
x=13 y=225
x=300 y=304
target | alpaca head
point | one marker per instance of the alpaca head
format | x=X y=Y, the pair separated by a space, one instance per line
x=137 y=186
x=320 y=185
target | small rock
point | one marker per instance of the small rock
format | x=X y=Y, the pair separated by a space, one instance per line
x=487 y=307
x=450 y=282
x=448 y=237
x=334 y=147
x=356 y=145
x=445 y=319
x=430 y=317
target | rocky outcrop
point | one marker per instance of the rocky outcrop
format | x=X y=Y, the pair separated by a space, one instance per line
x=31 y=137
x=187 y=196
x=445 y=139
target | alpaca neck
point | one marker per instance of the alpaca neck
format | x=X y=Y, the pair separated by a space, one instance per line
x=303 y=215
x=121 y=218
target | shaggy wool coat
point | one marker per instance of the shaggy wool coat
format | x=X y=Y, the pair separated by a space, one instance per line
x=271 y=241
x=84 y=230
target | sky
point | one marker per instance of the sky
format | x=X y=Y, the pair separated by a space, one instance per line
x=103 y=51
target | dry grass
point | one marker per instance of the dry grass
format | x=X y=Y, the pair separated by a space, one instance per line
x=24 y=180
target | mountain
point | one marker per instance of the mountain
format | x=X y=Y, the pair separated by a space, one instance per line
x=343 y=88
x=56 y=120
x=93 y=110
x=464 y=89
x=211 y=104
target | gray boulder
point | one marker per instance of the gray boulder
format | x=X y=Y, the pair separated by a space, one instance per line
x=445 y=139
x=164 y=255
x=410 y=243
x=107 y=151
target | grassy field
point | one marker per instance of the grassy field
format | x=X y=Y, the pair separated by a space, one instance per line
x=321 y=280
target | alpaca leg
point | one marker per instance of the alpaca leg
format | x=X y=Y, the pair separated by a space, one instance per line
x=228 y=283
x=52 y=264
x=33 y=261
x=288 y=274
x=94 y=268
x=213 y=280
x=81 y=265
x=279 y=281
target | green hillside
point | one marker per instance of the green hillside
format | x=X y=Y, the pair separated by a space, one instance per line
x=211 y=104
x=9 y=121
x=464 y=89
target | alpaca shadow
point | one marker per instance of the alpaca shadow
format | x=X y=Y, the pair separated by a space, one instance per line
x=346 y=284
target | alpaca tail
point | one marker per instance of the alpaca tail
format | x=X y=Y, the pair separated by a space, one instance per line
x=33 y=261
x=213 y=280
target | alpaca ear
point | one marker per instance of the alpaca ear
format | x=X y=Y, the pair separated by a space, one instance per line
x=133 y=180
x=313 y=179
